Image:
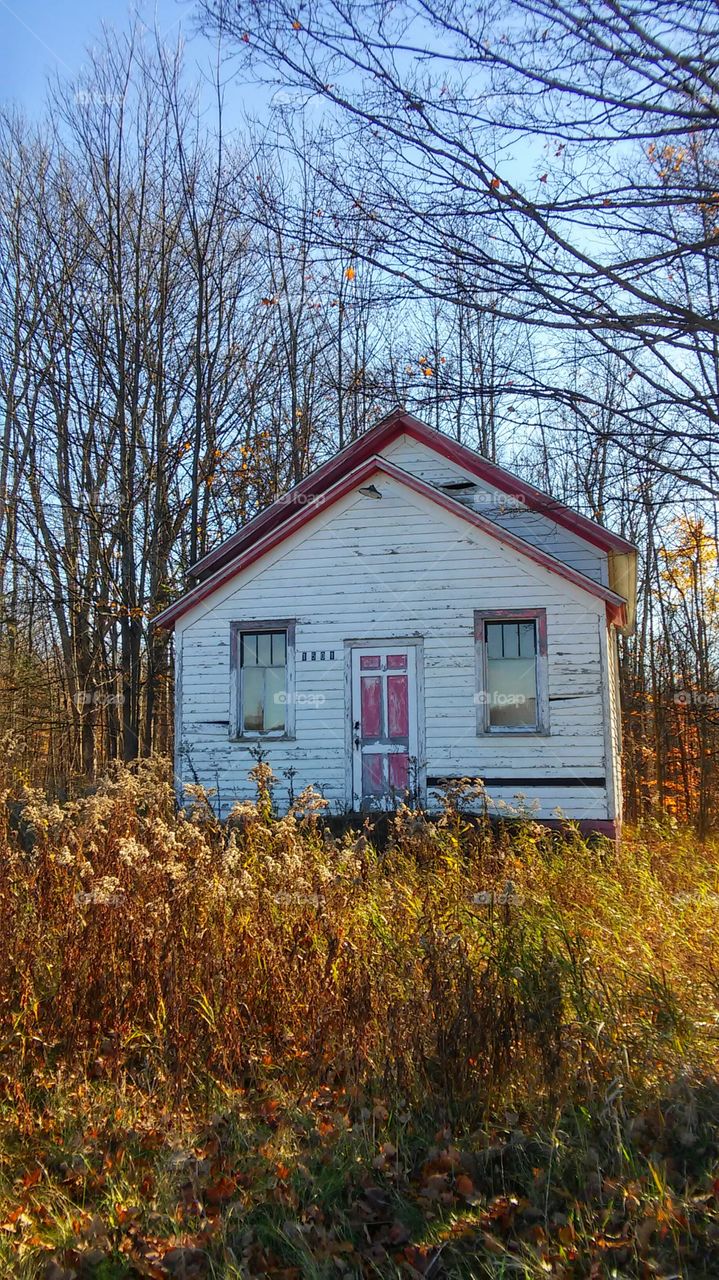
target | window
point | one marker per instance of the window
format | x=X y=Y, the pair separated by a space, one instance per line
x=511 y=666
x=261 y=655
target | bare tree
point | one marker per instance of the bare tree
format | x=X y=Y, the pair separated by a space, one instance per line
x=539 y=147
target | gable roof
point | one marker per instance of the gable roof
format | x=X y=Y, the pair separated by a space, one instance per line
x=301 y=513
x=398 y=423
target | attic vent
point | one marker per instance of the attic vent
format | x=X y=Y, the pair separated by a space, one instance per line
x=459 y=486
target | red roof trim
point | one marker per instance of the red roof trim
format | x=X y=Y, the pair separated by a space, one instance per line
x=510 y=484
x=616 y=606
x=398 y=423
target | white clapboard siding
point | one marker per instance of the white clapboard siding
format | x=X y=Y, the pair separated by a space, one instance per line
x=397 y=568
x=534 y=527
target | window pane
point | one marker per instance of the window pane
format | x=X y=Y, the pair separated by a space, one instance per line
x=249 y=650
x=264 y=681
x=264 y=649
x=494 y=639
x=512 y=690
x=510 y=632
x=527 y=639
x=274 y=699
x=279 y=649
x=253 y=692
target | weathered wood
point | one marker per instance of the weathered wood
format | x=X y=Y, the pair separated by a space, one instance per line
x=403 y=568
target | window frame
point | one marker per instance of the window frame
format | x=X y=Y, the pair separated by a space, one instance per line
x=259 y=627
x=539 y=617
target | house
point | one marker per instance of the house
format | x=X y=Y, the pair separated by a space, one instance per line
x=408 y=614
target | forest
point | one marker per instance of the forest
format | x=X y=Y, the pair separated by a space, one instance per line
x=504 y=219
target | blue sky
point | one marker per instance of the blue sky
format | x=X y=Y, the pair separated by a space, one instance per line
x=41 y=37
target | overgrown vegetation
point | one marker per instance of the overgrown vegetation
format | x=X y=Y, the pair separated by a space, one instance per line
x=263 y=1050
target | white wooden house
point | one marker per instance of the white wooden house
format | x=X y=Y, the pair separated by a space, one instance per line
x=409 y=614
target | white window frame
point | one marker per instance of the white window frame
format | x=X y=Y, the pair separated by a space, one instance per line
x=254 y=627
x=539 y=618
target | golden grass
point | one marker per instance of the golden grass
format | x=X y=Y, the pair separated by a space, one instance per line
x=501 y=987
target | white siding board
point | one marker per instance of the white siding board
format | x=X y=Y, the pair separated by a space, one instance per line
x=535 y=528
x=399 y=568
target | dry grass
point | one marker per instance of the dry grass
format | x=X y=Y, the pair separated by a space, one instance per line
x=467 y=1053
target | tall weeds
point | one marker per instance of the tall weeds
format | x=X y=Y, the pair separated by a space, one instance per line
x=487 y=967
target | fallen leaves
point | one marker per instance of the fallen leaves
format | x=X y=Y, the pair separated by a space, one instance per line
x=397 y=1187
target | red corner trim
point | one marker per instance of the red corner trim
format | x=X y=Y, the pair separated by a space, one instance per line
x=398 y=423
x=616 y=606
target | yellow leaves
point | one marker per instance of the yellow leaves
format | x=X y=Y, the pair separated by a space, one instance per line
x=296 y=25
x=428 y=373
x=350 y=273
x=690 y=561
x=495 y=184
x=669 y=161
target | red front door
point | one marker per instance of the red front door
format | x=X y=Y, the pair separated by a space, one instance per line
x=384 y=724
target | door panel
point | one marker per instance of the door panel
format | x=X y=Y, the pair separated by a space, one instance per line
x=372 y=775
x=372 y=690
x=384 y=724
x=399 y=771
x=397 y=707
